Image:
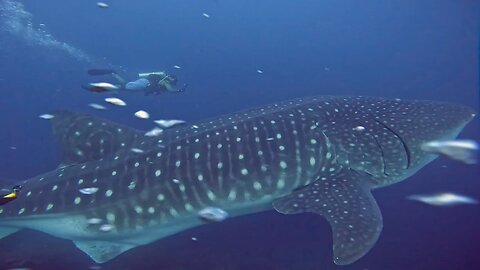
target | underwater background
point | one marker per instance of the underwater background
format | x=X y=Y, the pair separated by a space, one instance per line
x=407 y=49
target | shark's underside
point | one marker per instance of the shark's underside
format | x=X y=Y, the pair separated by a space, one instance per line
x=318 y=154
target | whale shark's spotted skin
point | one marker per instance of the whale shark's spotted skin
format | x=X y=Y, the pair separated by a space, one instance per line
x=319 y=154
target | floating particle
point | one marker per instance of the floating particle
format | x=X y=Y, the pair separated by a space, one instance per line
x=461 y=150
x=46 y=116
x=194 y=239
x=89 y=190
x=154 y=132
x=116 y=101
x=42 y=24
x=443 y=199
x=106 y=227
x=270 y=139
x=95 y=267
x=101 y=87
x=359 y=128
x=97 y=106
x=102 y=5
x=326 y=68
x=176 y=181
x=177 y=67
x=94 y=221
x=169 y=123
x=259 y=71
x=137 y=150
x=206 y=15
x=142 y=114
x=212 y=214
x=13 y=148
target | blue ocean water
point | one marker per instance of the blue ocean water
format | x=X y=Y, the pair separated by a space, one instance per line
x=406 y=49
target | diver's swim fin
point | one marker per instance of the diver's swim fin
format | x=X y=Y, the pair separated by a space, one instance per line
x=99 y=71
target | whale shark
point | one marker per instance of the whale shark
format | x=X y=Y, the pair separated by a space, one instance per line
x=320 y=154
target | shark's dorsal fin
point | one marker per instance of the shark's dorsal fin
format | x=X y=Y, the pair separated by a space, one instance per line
x=344 y=199
x=102 y=251
x=83 y=137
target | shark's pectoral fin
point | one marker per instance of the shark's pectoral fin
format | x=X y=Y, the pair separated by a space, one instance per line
x=102 y=251
x=345 y=201
x=6 y=231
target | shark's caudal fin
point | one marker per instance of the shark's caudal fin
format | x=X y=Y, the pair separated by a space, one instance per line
x=83 y=137
x=345 y=201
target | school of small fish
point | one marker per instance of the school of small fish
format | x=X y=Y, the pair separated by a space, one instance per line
x=115 y=101
x=465 y=151
x=89 y=190
x=443 y=199
x=46 y=116
x=97 y=106
x=168 y=123
x=154 y=132
x=142 y=114
x=213 y=214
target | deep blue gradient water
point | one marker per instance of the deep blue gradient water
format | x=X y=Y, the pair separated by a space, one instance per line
x=402 y=48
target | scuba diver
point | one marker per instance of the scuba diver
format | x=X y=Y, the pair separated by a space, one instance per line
x=6 y=198
x=151 y=83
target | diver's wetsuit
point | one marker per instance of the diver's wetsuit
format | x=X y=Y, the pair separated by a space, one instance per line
x=156 y=88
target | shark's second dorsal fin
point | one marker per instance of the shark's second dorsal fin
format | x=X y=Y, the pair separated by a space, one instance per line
x=83 y=137
x=344 y=199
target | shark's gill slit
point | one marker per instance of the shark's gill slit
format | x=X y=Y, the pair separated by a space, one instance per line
x=404 y=144
x=382 y=157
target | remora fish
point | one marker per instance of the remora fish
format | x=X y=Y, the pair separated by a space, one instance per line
x=304 y=155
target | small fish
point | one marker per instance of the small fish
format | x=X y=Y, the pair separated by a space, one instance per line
x=101 y=87
x=42 y=24
x=154 y=132
x=212 y=214
x=94 y=221
x=206 y=15
x=359 y=128
x=462 y=150
x=176 y=181
x=97 y=106
x=326 y=68
x=169 y=123
x=142 y=114
x=106 y=227
x=194 y=239
x=443 y=199
x=259 y=71
x=13 y=148
x=102 y=5
x=137 y=150
x=177 y=67
x=89 y=190
x=194 y=126
x=116 y=101
x=46 y=116
x=270 y=139
x=95 y=267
